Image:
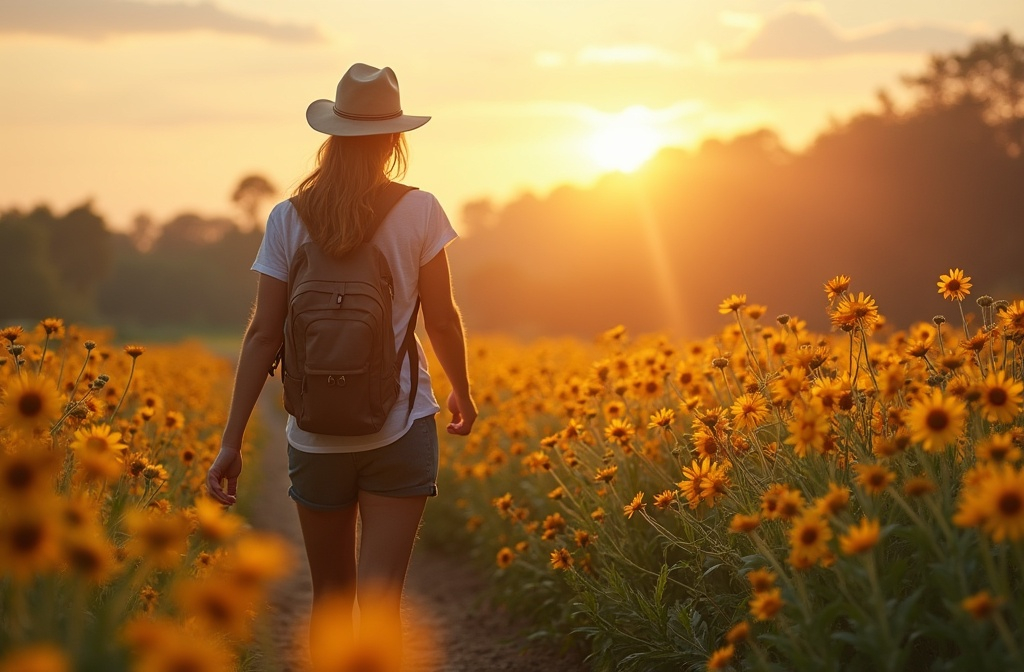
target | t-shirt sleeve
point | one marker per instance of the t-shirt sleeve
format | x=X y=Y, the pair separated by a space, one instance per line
x=272 y=258
x=439 y=232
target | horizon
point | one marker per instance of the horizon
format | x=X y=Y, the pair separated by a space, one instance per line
x=166 y=98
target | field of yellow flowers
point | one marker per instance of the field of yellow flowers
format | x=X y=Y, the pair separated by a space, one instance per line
x=764 y=499
x=111 y=557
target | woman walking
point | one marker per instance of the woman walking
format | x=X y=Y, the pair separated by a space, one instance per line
x=383 y=477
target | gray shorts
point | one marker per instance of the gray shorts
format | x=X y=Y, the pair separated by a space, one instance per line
x=332 y=481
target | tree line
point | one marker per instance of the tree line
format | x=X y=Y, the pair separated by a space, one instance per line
x=892 y=196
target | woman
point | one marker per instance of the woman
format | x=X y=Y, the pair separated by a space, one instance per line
x=383 y=478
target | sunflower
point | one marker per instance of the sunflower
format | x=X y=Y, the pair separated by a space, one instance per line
x=721 y=658
x=214 y=522
x=750 y=410
x=1012 y=320
x=732 y=304
x=857 y=310
x=1001 y=398
x=100 y=451
x=36 y=658
x=161 y=645
x=91 y=556
x=808 y=429
x=981 y=605
x=808 y=539
x=834 y=501
x=30 y=404
x=29 y=543
x=636 y=505
x=780 y=501
x=620 y=431
x=998 y=500
x=159 y=538
x=27 y=475
x=998 y=448
x=665 y=499
x=257 y=559
x=742 y=523
x=215 y=605
x=505 y=557
x=837 y=286
x=662 y=419
x=738 y=633
x=606 y=474
x=936 y=421
x=861 y=538
x=761 y=579
x=873 y=478
x=919 y=486
x=766 y=604
x=703 y=481
x=561 y=559
x=954 y=286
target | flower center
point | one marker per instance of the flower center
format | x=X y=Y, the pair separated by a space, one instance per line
x=997 y=396
x=937 y=419
x=30 y=404
x=19 y=476
x=26 y=537
x=809 y=536
x=1010 y=504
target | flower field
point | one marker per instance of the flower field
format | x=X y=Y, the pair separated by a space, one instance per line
x=111 y=558
x=765 y=499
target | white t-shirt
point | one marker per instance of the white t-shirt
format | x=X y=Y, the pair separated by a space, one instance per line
x=412 y=234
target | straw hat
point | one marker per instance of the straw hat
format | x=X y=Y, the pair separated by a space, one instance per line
x=367 y=104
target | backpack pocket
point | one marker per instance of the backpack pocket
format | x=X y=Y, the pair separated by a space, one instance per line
x=341 y=402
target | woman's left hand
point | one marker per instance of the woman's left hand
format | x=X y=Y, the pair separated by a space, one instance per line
x=227 y=465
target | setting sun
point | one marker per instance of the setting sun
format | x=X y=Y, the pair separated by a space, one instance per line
x=625 y=141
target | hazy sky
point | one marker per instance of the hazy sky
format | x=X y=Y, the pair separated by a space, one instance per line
x=161 y=107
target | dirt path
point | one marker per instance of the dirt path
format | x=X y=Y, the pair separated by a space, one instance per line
x=453 y=628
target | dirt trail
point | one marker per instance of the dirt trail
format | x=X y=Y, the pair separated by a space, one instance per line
x=452 y=628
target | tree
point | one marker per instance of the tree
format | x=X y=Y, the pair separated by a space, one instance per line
x=991 y=74
x=249 y=196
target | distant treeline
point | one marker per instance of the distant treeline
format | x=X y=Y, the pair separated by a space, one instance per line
x=892 y=197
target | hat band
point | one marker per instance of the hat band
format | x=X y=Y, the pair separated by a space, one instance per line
x=367 y=117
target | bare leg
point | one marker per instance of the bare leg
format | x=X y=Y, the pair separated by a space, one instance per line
x=389 y=527
x=330 y=540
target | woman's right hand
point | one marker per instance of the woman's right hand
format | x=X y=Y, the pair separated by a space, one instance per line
x=227 y=465
x=463 y=410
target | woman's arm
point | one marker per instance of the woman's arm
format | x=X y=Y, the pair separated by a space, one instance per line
x=262 y=340
x=443 y=322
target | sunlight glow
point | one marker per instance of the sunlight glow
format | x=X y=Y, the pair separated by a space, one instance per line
x=625 y=141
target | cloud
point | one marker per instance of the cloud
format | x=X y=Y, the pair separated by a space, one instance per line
x=804 y=32
x=101 y=19
x=626 y=55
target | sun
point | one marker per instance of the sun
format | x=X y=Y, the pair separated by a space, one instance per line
x=625 y=141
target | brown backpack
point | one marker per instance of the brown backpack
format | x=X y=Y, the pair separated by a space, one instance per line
x=340 y=368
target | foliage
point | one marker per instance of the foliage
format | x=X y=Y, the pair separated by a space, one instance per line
x=769 y=498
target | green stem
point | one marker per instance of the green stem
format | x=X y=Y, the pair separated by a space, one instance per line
x=124 y=394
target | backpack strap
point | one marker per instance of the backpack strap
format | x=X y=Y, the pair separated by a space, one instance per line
x=409 y=347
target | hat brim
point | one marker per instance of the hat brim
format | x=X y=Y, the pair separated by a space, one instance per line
x=321 y=117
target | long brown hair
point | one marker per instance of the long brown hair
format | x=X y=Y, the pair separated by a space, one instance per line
x=335 y=200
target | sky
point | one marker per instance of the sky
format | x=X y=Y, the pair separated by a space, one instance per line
x=163 y=107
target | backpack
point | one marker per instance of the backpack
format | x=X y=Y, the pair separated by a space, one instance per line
x=340 y=368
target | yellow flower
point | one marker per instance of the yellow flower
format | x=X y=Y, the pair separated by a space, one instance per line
x=256 y=559
x=505 y=557
x=561 y=559
x=30 y=404
x=857 y=310
x=606 y=474
x=741 y=523
x=738 y=633
x=721 y=658
x=766 y=604
x=860 y=539
x=836 y=286
x=732 y=304
x=995 y=502
x=1012 y=320
x=873 y=478
x=750 y=410
x=998 y=448
x=832 y=502
x=620 y=431
x=27 y=475
x=583 y=538
x=761 y=580
x=215 y=523
x=808 y=429
x=780 y=501
x=164 y=646
x=955 y=285
x=936 y=421
x=1000 y=398
x=215 y=605
x=665 y=499
x=662 y=419
x=919 y=486
x=808 y=539
x=704 y=481
x=36 y=658
x=53 y=326
x=100 y=451
x=636 y=505
x=28 y=543
x=90 y=555
x=981 y=605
